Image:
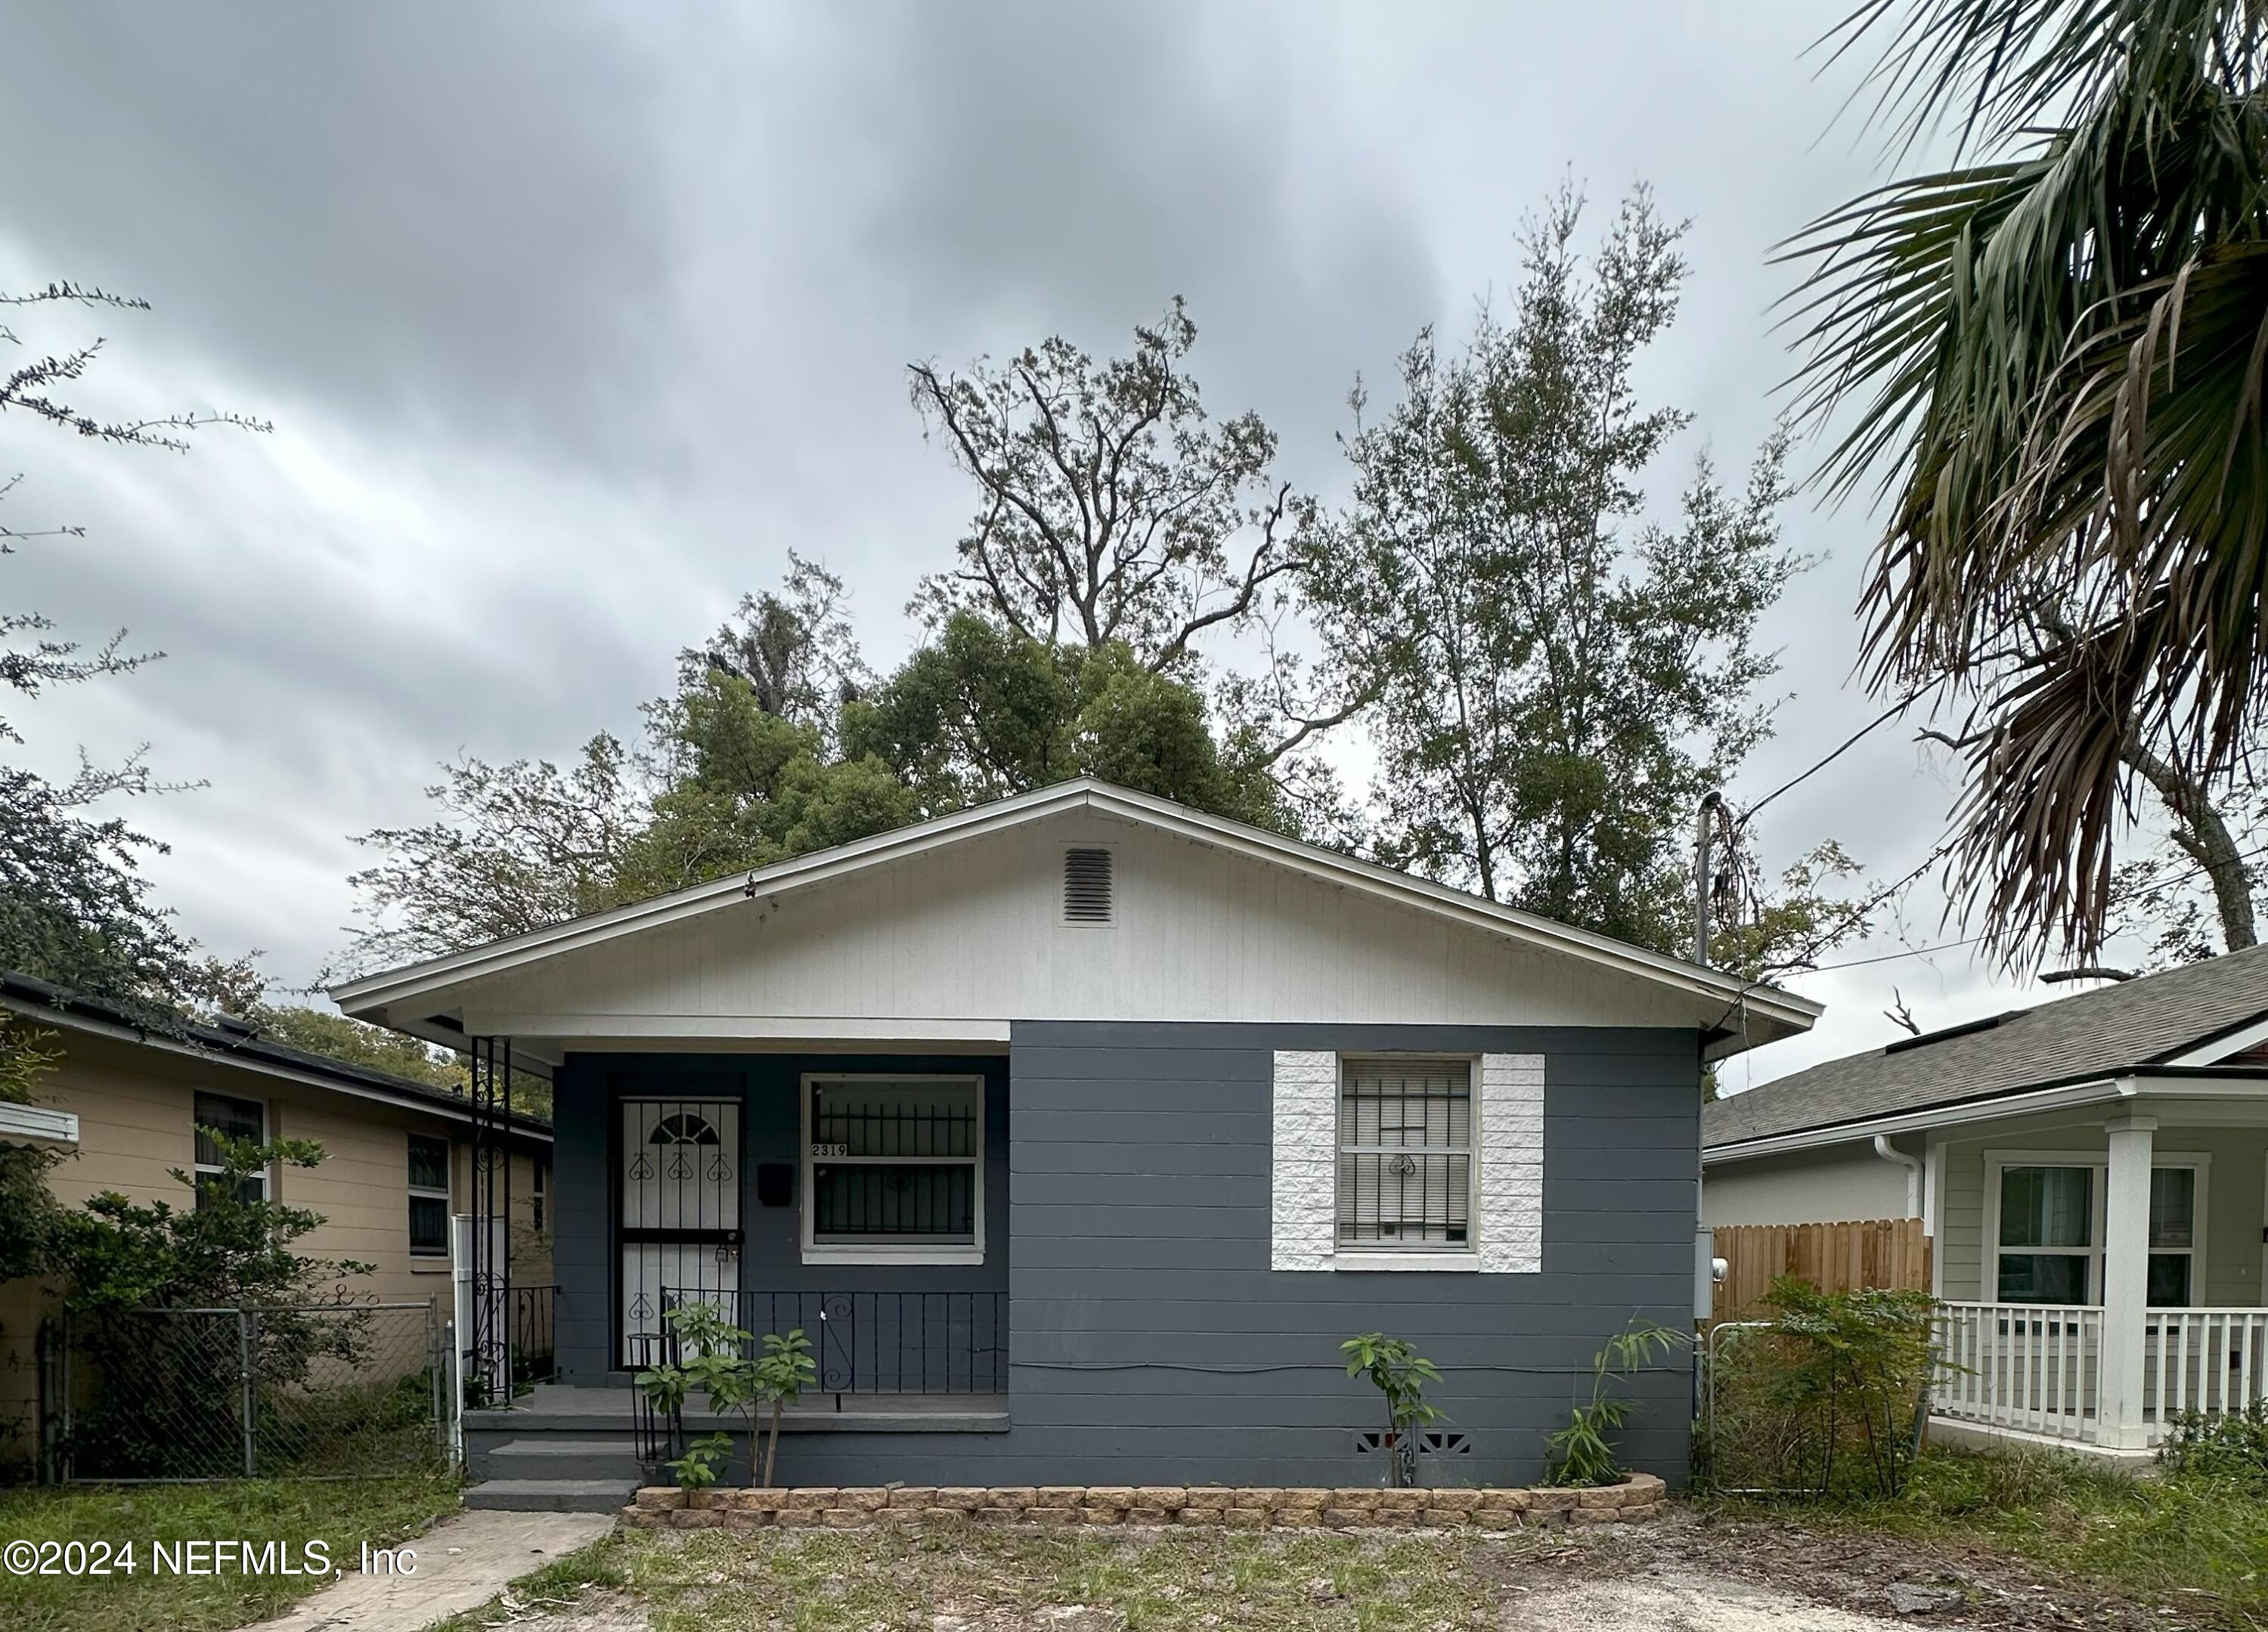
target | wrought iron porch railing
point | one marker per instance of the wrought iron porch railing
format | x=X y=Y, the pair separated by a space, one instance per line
x=863 y=1343
x=534 y=1334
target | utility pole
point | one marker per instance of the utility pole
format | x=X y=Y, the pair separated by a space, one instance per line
x=1704 y=829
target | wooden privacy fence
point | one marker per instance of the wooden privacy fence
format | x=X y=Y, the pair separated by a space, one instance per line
x=1891 y=1252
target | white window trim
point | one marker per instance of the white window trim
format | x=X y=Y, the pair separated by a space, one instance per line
x=874 y=1253
x=442 y=1193
x=1360 y=1255
x=1506 y=1217
x=1997 y=1161
x=199 y=1171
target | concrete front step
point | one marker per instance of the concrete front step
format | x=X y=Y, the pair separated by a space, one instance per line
x=551 y=1496
x=555 y=1457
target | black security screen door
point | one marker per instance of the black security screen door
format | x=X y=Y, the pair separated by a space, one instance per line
x=679 y=1177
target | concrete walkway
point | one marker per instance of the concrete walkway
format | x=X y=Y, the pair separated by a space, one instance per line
x=461 y=1563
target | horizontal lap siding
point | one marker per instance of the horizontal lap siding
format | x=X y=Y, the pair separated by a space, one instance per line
x=1152 y=1343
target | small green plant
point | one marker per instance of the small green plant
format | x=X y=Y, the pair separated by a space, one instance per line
x=1399 y=1373
x=716 y=1365
x=713 y=1362
x=703 y=1461
x=782 y=1373
x=2232 y=1446
x=1579 y=1453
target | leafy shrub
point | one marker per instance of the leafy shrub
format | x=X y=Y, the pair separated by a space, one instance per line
x=1399 y=1373
x=1827 y=1398
x=1580 y=1454
x=713 y=1361
x=2232 y=1446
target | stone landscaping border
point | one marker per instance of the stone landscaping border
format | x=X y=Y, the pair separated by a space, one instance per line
x=658 y=1507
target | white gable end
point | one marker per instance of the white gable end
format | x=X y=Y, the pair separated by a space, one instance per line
x=977 y=932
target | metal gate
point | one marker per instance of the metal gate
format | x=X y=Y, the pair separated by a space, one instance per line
x=679 y=1183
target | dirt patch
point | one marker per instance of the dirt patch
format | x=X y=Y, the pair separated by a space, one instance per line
x=1755 y=1564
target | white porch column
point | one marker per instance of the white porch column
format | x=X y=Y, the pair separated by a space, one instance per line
x=2125 y=1283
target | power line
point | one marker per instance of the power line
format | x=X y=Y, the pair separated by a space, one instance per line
x=1849 y=742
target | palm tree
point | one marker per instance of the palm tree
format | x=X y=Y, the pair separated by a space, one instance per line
x=2054 y=352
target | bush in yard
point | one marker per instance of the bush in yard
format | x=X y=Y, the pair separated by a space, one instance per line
x=1827 y=1399
x=2232 y=1446
x=167 y=1386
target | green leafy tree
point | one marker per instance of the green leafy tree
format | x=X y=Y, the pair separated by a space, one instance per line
x=981 y=712
x=2047 y=356
x=1114 y=509
x=1560 y=677
x=515 y=846
x=336 y=1037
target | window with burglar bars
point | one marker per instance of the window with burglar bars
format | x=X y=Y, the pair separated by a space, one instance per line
x=894 y=1165
x=1406 y=1154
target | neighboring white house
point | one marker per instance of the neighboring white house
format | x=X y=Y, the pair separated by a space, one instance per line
x=2093 y=1176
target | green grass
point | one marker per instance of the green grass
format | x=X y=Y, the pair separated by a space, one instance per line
x=891 y=1581
x=2197 y=1543
x=343 y=1513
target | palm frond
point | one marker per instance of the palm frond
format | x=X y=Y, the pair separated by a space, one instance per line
x=2056 y=361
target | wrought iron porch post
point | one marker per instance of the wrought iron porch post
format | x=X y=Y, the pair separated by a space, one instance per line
x=491 y=1211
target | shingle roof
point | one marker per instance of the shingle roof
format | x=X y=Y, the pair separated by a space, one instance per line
x=2133 y=1023
x=244 y=1046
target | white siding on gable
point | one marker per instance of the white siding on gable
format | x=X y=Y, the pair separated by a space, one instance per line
x=1511 y=1164
x=976 y=933
x=1303 y=1191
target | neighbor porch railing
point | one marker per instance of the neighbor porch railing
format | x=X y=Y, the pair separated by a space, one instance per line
x=2038 y=1368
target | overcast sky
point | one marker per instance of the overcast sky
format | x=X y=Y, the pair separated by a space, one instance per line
x=573 y=320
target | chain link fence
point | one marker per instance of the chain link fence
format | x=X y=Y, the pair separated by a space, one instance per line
x=298 y=1392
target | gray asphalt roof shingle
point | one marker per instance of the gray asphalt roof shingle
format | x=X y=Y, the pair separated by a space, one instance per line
x=2113 y=1028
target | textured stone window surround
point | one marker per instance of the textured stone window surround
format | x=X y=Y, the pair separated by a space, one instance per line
x=1303 y=1191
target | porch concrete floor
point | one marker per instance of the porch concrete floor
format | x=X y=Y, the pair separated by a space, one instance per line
x=573 y=1406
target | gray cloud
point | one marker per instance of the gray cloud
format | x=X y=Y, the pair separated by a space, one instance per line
x=424 y=212
x=573 y=318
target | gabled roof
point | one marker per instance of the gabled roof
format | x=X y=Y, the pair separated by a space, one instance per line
x=1749 y=1011
x=47 y=1004
x=2155 y=1024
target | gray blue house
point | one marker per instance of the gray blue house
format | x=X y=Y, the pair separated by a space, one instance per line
x=1079 y=1129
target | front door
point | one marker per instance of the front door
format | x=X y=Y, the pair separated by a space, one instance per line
x=680 y=1211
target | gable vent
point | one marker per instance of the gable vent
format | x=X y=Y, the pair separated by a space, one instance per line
x=1086 y=887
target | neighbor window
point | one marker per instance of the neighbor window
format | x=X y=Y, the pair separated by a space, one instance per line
x=2173 y=1236
x=893 y=1165
x=2047 y=1234
x=429 y=1196
x=2051 y=1234
x=1406 y=1154
x=535 y=1204
x=238 y=1119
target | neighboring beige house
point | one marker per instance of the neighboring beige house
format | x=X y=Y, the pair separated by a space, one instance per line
x=121 y=1107
x=2093 y=1173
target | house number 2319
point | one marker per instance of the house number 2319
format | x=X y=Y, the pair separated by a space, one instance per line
x=822 y=1151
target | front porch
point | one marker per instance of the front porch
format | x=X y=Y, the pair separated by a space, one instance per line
x=2100 y=1274
x=2037 y=1371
